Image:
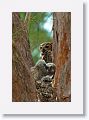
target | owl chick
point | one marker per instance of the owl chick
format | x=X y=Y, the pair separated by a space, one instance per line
x=46 y=51
x=39 y=70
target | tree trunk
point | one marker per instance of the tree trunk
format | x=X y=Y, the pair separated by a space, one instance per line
x=62 y=55
x=23 y=87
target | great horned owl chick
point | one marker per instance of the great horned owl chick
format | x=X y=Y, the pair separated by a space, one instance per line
x=50 y=68
x=39 y=70
x=46 y=51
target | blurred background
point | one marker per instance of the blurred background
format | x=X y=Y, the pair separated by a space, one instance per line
x=40 y=30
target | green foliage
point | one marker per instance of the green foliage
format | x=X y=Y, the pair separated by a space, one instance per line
x=22 y=15
x=37 y=33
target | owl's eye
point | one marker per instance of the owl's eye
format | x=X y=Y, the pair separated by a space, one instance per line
x=47 y=46
x=40 y=47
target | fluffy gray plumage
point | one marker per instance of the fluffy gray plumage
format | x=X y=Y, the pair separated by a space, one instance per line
x=43 y=71
x=39 y=70
x=50 y=68
x=47 y=78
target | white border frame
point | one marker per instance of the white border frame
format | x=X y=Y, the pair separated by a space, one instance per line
x=76 y=104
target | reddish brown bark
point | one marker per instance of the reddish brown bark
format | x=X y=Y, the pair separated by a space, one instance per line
x=62 y=55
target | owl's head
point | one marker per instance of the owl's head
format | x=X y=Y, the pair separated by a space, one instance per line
x=51 y=68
